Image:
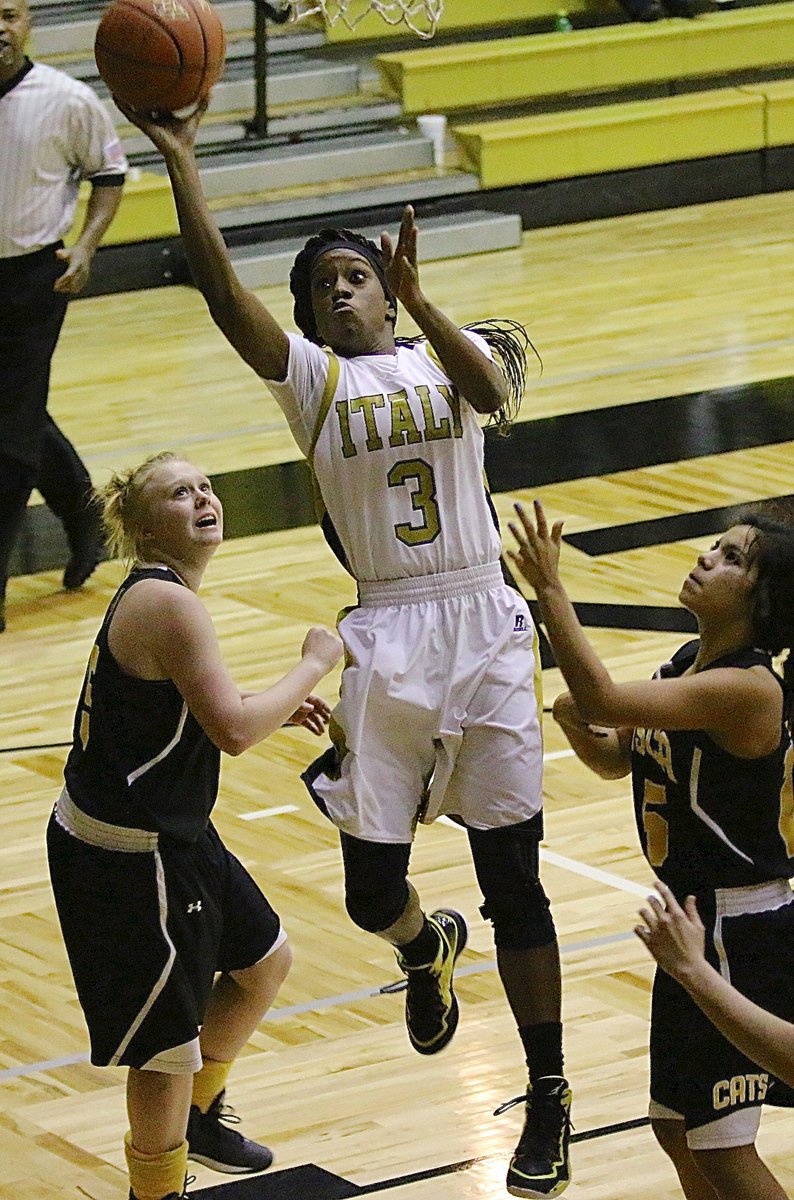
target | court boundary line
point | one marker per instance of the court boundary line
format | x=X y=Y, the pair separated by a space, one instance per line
x=25 y=1070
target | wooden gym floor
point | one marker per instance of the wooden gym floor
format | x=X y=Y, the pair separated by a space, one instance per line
x=666 y=397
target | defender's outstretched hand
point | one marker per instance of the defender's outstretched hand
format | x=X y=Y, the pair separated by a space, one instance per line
x=538 y=554
x=673 y=935
x=313 y=715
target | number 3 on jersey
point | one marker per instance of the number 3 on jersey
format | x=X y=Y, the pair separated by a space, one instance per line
x=423 y=501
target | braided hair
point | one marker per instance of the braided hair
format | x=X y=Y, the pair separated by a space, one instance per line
x=509 y=342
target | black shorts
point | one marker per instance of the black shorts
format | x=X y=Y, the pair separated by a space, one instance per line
x=146 y=933
x=696 y=1074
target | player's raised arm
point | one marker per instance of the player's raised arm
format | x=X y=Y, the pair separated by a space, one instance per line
x=475 y=375
x=242 y=318
x=740 y=709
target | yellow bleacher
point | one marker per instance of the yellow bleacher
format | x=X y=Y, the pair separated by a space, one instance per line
x=778 y=96
x=614 y=137
x=445 y=78
x=146 y=211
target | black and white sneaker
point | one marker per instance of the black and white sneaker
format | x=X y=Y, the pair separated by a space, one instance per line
x=212 y=1143
x=431 y=1008
x=540 y=1166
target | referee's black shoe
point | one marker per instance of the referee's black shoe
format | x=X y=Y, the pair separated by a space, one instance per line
x=540 y=1166
x=212 y=1143
x=431 y=1008
x=86 y=544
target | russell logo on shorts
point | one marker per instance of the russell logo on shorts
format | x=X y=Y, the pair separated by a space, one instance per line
x=521 y=624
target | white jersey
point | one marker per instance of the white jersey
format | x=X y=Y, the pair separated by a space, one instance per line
x=397 y=457
x=54 y=131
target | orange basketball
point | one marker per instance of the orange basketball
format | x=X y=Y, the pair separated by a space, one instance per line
x=160 y=54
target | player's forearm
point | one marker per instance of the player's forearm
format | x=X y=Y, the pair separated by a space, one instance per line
x=205 y=248
x=474 y=375
x=262 y=713
x=587 y=678
x=103 y=203
x=764 y=1038
x=600 y=750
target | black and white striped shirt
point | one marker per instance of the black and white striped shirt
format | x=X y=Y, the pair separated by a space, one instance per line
x=54 y=132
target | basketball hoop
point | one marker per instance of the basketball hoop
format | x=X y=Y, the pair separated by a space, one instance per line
x=421 y=16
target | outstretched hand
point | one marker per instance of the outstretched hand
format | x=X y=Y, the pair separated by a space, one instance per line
x=673 y=935
x=538 y=554
x=167 y=131
x=313 y=715
x=400 y=262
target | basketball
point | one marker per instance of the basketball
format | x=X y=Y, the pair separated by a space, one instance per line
x=160 y=54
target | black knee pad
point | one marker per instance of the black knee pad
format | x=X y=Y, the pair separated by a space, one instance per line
x=377 y=908
x=506 y=863
x=376 y=891
x=521 y=918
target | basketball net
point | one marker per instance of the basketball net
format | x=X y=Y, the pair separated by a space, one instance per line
x=421 y=16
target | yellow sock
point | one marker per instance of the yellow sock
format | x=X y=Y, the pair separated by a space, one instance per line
x=154 y=1176
x=209 y=1082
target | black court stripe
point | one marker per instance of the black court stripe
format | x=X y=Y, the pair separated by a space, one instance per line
x=549 y=450
x=626 y=437
x=310 y=1182
x=578 y=445
x=662 y=530
x=40 y=746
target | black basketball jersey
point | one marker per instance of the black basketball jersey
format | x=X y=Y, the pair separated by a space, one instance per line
x=706 y=818
x=139 y=758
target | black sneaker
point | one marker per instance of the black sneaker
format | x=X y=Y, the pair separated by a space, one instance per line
x=431 y=1009
x=540 y=1166
x=211 y=1142
x=86 y=544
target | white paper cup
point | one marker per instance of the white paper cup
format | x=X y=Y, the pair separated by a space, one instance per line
x=434 y=126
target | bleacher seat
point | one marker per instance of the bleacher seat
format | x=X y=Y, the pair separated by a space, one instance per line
x=469 y=75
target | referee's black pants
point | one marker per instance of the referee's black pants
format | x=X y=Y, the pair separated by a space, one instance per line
x=34 y=451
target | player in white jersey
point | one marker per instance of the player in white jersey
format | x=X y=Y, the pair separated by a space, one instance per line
x=421 y=450
x=439 y=708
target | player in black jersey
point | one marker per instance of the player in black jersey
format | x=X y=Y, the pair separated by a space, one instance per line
x=175 y=952
x=676 y=938
x=708 y=744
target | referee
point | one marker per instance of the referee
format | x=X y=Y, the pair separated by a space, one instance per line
x=54 y=131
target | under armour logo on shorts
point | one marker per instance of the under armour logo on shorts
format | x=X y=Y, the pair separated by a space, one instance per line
x=194 y=906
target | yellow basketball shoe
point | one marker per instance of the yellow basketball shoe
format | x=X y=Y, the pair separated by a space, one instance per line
x=431 y=1008
x=540 y=1166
